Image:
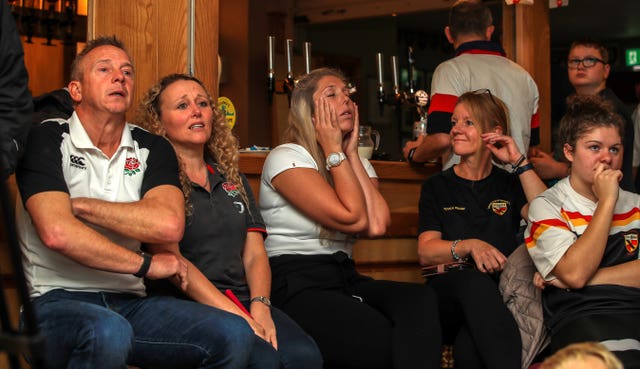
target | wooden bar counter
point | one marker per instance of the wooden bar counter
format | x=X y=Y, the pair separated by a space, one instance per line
x=393 y=257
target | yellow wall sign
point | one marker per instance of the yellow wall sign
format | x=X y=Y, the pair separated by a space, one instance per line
x=226 y=107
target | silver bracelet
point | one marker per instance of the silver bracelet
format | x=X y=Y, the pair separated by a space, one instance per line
x=456 y=257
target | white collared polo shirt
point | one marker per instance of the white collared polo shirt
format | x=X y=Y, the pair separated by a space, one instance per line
x=61 y=157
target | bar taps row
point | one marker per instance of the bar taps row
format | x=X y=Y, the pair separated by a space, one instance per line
x=288 y=82
x=419 y=98
x=411 y=97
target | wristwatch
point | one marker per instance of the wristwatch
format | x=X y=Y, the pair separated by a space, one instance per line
x=334 y=159
x=263 y=299
x=410 y=155
x=146 y=263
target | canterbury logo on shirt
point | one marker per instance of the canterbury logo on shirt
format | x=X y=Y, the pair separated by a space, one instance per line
x=77 y=162
x=240 y=206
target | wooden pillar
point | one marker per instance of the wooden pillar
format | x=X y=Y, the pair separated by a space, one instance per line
x=526 y=38
x=156 y=33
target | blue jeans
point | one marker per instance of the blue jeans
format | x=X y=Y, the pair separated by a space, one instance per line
x=296 y=349
x=111 y=330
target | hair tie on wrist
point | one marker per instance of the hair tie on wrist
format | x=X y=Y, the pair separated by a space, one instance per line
x=517 y=164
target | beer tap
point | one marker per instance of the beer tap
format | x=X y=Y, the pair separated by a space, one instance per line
x=411 y=97
x=289 y=82
x=271 y=73
x=307 y=57
x=398 y=96
x=411 y=61
x=381 y=96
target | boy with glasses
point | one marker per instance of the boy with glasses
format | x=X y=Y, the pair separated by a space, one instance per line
x=588 y=69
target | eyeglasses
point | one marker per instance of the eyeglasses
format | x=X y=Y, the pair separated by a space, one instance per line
x=487 y=91
x=483 y=91
x=586 y=62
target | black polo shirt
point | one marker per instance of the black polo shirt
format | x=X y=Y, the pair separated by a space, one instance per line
x=488 y=209
x=216 y=230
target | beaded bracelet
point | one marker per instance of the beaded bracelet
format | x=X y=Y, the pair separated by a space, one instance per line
x=455 y=256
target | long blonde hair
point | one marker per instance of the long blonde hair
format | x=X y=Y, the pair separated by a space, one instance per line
x=222 y=146
x=301 y=129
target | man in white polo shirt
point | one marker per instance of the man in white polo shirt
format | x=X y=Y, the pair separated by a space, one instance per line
x=479 y=64
x=93 y=188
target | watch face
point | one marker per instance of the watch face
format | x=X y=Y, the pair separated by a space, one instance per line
x=334 y=159
x=262 y=299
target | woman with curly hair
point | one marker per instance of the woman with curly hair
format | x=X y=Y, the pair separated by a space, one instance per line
x=316 y=196
x=223 y=241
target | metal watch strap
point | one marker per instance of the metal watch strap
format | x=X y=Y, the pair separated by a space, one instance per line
x=340 y=158
x=263 y=299
x=146 y=263
x=410 y=155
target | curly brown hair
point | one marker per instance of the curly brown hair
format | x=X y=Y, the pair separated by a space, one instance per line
x=222 y=146
x=585 y=113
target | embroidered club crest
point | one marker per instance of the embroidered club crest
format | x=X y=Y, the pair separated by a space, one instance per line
x=631 y=242
x=498 y=206
x=231 y=189
x=131 y=166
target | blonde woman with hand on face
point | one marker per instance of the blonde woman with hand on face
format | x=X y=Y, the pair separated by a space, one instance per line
x=316 y=195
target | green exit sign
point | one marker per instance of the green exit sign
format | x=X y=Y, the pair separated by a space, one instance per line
x=632 y=57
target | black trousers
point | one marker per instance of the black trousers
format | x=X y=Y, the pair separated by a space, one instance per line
x=476 y=321
x=358 y=322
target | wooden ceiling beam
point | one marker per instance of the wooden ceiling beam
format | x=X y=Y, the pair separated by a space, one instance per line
x=322 y=11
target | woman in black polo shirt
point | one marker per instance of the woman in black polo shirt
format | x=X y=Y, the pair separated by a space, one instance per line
x=471 y=212
x=224 y=232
